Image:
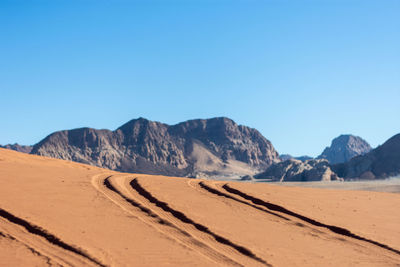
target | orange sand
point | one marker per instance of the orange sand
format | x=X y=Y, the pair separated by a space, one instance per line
x=55 y=212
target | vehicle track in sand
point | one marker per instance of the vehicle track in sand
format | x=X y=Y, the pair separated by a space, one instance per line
x=335 y=229
x=281 y=218
x=175 y=223
x=48 y=260
x=221 y=194
x=134 y=183
x=43 y=243
x=222 y=189
x=117 y=188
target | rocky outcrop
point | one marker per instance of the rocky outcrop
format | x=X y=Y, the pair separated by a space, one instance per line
x=17 y=147
x=382 y=162
x=197 y=148
x=293 y=170
x=344 y=148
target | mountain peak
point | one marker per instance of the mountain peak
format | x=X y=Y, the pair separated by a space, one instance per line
x=381 y=162
x=140 y=123
x=139 y=120
x=345 y=147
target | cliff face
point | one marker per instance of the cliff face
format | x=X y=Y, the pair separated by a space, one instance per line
x=344 y=148
x=382 y=162
x=215 y=146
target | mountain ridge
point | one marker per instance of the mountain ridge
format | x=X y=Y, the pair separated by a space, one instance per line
x=18 y=147
x=145 y=146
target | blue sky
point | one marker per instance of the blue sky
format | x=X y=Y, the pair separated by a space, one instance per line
x=301 y=72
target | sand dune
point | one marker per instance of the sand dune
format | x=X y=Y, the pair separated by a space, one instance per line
x=59 y=213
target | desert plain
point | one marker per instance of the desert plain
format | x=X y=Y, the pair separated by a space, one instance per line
x=60 y=213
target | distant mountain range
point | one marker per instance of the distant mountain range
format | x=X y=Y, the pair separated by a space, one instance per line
x=357 y=161
x=196 y=148
x=381 y=162
x=17 y=147
x=214 y=147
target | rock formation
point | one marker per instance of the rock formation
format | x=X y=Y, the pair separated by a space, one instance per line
x=293 y=170
x=194 y=148
x=381 y=162
x=344 y=148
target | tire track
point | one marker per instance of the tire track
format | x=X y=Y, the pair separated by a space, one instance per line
x=186 y=239
x=31 y=249
x=36 y=230
x=142 y=208
x=221 y=194
x=182 y=217
x=332 y=228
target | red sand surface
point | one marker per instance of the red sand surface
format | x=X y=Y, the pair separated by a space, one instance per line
x=55 y=212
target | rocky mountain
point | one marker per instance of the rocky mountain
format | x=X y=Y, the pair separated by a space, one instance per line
x=293 y=170
x=284 y=157
x=194 y=148
x=382 y=162
x=17 y=147
x=344 y=148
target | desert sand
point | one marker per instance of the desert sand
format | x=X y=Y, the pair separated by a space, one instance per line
x=390 y=185
x=60 y=213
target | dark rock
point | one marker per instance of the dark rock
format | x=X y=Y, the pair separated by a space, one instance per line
x=344 y=148
x=295 y=170
x=246 y=178
x=381 y=162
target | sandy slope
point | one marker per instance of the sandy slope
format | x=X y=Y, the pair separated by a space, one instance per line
x=55 y=212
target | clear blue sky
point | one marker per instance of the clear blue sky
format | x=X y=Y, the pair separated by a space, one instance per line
x=301 y=72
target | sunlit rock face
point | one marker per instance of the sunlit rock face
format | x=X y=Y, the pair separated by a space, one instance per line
x=215 y=146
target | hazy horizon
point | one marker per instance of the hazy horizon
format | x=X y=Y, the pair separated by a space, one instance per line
x=300 y=73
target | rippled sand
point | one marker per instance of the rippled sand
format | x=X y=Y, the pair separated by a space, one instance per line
x=60 y=213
